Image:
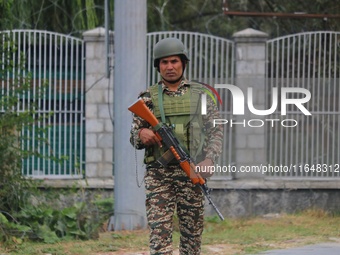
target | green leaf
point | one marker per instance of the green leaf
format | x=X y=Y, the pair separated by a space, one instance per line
x=47 y=235
x=70 y=212
x=3 y=218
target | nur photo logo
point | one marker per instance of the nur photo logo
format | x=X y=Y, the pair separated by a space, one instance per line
x=238 y=105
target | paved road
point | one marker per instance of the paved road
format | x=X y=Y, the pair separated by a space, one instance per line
x=316 y=249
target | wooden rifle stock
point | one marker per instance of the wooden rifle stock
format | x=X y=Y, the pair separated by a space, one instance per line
x=189 y=169
x=140 y=109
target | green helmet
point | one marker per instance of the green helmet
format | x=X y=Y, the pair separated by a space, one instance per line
x=169 y=47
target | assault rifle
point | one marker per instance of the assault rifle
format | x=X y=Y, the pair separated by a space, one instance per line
x=165 y=134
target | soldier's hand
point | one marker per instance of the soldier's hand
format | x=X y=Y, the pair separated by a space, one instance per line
x=205 y=168
x=148 y=137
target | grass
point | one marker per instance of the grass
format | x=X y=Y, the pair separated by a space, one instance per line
x=235 y=236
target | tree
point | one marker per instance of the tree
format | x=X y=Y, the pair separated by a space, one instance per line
x=205 y=16
x=64 y=16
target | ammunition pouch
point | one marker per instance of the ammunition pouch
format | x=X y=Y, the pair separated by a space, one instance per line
x=183 y=114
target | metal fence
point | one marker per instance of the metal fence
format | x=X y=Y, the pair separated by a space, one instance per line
x=211 y=62
x=310 y=61
x=55 y=63
x=305 y=60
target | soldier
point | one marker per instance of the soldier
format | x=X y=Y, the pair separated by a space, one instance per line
x=176 y=101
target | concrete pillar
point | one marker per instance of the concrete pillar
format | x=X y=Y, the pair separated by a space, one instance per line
x=250 y=73
x=99 y=128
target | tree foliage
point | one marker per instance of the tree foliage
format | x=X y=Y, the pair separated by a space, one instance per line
x=205 y=16
x=64 y=16
x=283 y=26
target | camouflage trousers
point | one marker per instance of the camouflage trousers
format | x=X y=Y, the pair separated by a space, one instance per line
x=169 y=191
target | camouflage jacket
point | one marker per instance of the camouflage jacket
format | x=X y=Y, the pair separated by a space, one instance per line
x=214 y=135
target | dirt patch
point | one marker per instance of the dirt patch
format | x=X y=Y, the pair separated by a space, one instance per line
x=218 y=249
x=227 y=249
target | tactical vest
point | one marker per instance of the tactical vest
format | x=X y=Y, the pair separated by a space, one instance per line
x=183 y=114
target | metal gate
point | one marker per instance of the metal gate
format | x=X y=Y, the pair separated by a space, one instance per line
x=56 y=63
x=211 y=62
x=310 y=61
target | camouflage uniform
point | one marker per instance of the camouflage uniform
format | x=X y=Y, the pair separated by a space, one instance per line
x=169 y=189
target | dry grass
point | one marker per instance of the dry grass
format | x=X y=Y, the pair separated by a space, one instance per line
x=233 y=236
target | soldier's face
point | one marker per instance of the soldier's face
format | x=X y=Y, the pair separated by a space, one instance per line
x=171 y=68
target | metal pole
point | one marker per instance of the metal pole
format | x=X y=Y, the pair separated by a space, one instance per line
x=129 y=80
x=107 y=38
x=283 y=15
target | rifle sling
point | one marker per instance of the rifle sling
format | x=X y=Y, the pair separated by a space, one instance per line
x=160 y=102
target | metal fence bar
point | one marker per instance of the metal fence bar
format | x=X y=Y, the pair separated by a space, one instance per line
x=45 y=102
x=336 y=119
x=80 y=115
x=317 y=47
x=71 y=136
x=60 y=105
x=329 y=123
x=54 y=96
x=50 y=164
